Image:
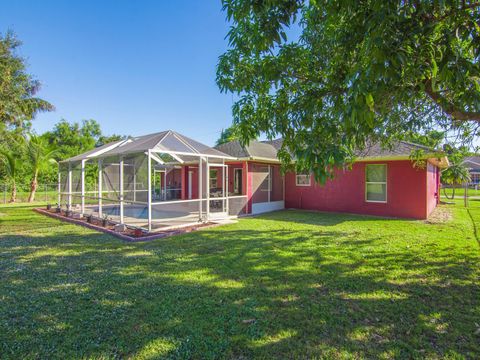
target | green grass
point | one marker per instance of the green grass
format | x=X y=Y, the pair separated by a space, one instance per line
x=284 y=285
x=459 y=192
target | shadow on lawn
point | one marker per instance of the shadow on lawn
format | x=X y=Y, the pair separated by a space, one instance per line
x=231 y=293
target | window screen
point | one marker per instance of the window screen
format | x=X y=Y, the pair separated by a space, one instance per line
x=376 y=183
x=302 y=179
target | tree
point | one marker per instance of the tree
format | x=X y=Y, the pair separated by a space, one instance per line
x=10 y=160
x=330 y=76
x=455 y=174
x=71 y=139
x=229 y=134
x=105 y=139
x=41 y=156
x=18 y=102
x=432 y=139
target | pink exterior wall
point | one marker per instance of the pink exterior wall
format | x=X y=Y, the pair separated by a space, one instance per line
x=231 y=176
x=432 y=187
x=411 y=192
x=406 y=192
x=249 y=167
x=186 y=170
x=174 y=178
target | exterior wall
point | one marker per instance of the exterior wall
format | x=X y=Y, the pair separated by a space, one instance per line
x=174 y=181
x=260 y=200
x=406 y=192
x=231 y=176
x=249 y=174
x=432 y=188
x=185 y=183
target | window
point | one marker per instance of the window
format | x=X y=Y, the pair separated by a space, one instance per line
x=237 y=181
x=213 y=178
x=302 y=179
x=376 y=183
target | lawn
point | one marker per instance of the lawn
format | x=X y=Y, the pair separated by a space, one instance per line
x=459 y=192
x=284 y=285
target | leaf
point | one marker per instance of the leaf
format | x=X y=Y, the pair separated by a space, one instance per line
x=369 y=101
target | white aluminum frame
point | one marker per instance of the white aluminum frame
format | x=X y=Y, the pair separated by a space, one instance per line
x=204 y=165
x=377 y=182
x=307 y=176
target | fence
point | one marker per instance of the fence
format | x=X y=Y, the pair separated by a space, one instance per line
x=460 y=193
x=45 y=193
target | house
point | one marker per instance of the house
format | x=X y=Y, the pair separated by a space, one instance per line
x=381 y=182
x=167 y=180
x=473 y=165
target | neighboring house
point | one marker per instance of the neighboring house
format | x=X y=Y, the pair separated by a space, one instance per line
x=473 y=165
x=381 y=182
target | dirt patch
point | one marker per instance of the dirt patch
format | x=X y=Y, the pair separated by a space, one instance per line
x=440 y=215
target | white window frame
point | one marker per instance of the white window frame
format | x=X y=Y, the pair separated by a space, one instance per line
x=307 y=176
x=213 y=178
x=235 y=182
x=378 y=183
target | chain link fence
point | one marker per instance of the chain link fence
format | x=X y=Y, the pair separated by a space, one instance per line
x=45 y=193
x=461 y=193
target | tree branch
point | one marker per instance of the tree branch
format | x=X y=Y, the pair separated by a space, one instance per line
x=448 y=107
x=453 y=11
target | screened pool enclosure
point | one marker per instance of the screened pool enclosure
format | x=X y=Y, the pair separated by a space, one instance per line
x=154 y=182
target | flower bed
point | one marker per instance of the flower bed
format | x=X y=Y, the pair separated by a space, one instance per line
x=128 y=234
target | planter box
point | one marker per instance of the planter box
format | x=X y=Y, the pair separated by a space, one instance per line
x=120 y=227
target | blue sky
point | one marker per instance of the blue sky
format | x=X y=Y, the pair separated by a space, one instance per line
x=134 y=66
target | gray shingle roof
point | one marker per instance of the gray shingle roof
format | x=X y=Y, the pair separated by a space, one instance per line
x=255 y=149
x=269 y=149
x=88 y=154
x=400 y=148
x=165 y=141
x=472 y=162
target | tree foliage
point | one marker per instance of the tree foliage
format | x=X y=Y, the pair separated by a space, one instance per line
x=358 y=71
x=11 y=164
x=41 y=156
x=73 y=138
x=433 y=139
x=18 y=89
x=63 y=141
x=229 y=134
x=456 y=174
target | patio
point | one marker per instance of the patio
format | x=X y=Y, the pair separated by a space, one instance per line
x=157 y=181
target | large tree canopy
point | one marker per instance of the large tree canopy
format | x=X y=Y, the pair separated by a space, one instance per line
x=354 y=71
x=18 y=102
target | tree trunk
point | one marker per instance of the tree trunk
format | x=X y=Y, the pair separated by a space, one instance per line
x=446 y=195
x=13 y=195
x=453 y=192
x=33 y=187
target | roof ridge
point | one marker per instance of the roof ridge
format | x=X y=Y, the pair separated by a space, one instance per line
x=185 y=141
x=418 y=145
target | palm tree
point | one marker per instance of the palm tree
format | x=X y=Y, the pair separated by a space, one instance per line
x=40 y=155
x=10 y=162
x=455 y=174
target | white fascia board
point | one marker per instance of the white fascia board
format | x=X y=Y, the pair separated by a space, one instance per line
x=190 y=154
x=108 y=148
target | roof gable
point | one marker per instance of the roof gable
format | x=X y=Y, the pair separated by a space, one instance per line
x=169 y=142
x=472 y=160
